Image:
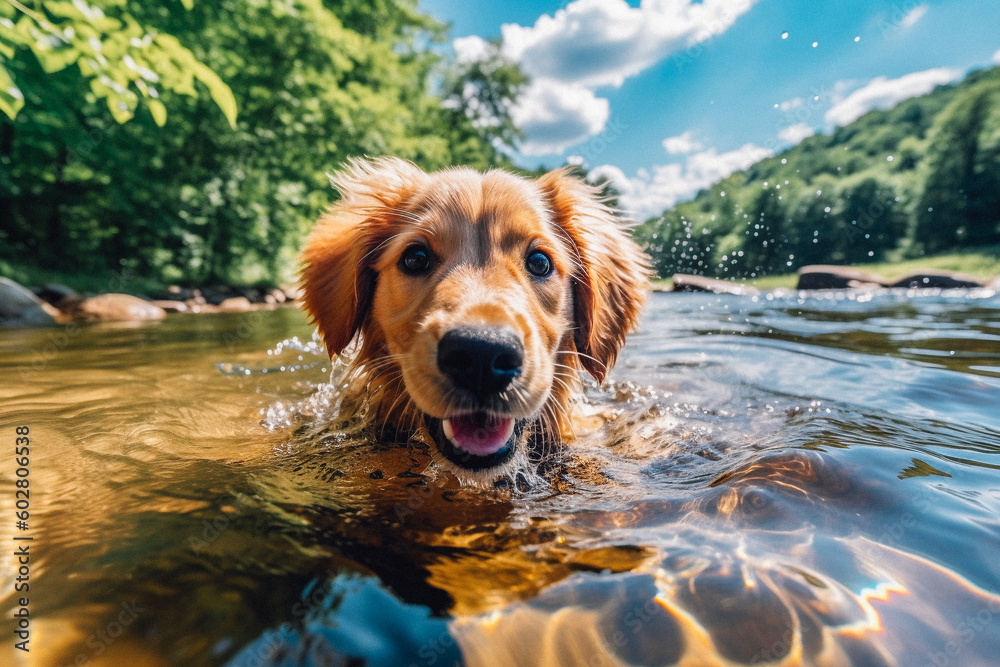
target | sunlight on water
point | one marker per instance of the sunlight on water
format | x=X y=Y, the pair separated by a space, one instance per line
x=783 y=479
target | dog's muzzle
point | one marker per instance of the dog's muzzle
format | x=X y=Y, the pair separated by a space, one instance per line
x=481 y=363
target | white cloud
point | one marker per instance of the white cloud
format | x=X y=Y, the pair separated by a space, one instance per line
x=914 y=15
x=996 y=57
x=681 y=144
x=555 y=116
x=470 y=49
x=603 y=42
x=647 y=194
x=793 y=134
x=883 y=93
x=593 y=43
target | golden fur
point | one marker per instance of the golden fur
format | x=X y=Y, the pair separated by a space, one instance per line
x=478 y=228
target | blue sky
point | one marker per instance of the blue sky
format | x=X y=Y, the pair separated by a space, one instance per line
x=665 y=97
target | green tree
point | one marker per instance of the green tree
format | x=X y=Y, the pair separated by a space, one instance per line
x=203 y=201
x=945 y=210
x=122 y=61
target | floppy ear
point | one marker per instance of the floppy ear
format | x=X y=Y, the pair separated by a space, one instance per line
x=336 y=277
x=611 y=275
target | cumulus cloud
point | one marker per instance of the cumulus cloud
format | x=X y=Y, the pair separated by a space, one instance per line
x=590 y=44
x=650 y=193
x=793 y=134
x=555 y=115
x=681 y=144
x=884 y=93
x=914 y=15
x=603 y=42
x=996 y=57
x=470 y=49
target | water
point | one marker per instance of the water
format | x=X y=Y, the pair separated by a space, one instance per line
x=782 y=480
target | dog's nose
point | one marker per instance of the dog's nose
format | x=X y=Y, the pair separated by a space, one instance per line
x=481 y=360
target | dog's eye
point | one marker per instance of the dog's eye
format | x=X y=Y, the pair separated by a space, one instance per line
x=416 y=260
x=538 y=264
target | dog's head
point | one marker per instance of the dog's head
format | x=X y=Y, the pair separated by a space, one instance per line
x=477 y=297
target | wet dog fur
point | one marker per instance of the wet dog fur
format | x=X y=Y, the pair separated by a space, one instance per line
x=475 y=300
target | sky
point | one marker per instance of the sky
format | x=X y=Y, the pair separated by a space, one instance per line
x=666 y=97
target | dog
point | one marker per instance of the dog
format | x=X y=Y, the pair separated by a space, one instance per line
x=474 y=301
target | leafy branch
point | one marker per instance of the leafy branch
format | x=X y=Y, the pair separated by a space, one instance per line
x=124 y=62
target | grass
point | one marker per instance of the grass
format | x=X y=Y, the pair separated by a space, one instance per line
x=981 y=263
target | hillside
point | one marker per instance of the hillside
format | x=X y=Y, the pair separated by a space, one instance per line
x=923 y=177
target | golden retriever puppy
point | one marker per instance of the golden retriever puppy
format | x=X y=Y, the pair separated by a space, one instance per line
x=476 y=300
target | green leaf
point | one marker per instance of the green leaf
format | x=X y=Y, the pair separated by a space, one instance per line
x=55 y=60
x=219 y=91
x=158 y=110
x=11 y=98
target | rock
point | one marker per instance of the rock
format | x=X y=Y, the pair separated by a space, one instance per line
x=118 y=307
x=292 y=292
x=277 y=295
x=19 y=307
x=684 y=282
x=994 y=284
x=236 y=304
x=252 y=294
x=55 y=293
x=171 y=306
x=195 y=307
x=940 y=279
x=825 y=276
x=216 y=294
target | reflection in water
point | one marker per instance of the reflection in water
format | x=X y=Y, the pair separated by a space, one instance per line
x=781 y=480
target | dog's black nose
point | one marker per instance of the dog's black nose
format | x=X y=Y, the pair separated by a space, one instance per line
x=481 y=360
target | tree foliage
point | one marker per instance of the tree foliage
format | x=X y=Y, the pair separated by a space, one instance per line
x=122 y=61
x=202 y=200
x=921 y=177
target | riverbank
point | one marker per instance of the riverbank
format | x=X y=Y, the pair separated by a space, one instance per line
x=54 y=303
x=58 y=298
x=982 y=265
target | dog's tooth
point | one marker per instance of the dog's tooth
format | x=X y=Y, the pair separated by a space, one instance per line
x=449 y=432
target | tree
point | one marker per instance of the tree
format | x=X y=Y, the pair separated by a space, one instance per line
x=316 y=83
x=122 y=61
x=943 y=212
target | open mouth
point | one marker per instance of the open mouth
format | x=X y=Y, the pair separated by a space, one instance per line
x=476 y=440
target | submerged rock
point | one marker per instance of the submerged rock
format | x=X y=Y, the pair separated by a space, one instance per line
x=118 y=307
x=19 y=307
x=56 y=294
x=826 y=276
x=684 y=282
x=171 y=306
x=940 y=279
x=236 y=304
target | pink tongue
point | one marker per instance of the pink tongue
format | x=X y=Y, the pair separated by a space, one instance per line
x=479 y=434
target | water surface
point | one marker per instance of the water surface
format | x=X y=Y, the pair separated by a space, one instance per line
x=783 y=480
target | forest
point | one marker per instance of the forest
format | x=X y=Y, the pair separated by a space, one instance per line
x=190 y=141
x=919 y=179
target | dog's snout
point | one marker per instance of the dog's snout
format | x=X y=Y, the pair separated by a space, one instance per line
x=481 y=360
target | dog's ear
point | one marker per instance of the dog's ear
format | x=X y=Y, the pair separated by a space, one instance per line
x=611 y=273
x=337 y=277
